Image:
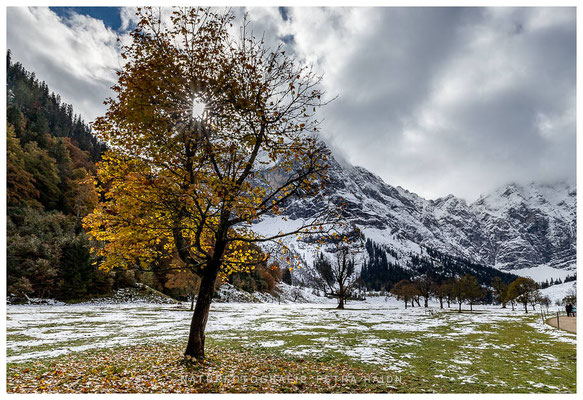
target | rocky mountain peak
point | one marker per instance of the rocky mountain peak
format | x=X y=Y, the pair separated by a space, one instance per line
x=513 y=227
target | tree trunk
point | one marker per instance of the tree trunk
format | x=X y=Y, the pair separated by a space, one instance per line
x=405 y=304
x=460 y=307
x=471 y=308
x=192 y=302
x=426 y=302
x=195 y=346
x=441 y=302
x=526 y=307
x=340 y=302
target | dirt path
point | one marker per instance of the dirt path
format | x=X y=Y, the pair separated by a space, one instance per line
x=567 y=323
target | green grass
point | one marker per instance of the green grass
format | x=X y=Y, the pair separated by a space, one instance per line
x=500 y=357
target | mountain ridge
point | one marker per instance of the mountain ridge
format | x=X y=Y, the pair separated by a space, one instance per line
x=511 y=228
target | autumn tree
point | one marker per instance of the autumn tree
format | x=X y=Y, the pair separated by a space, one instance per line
x=19 y=182
x=208 y=133
x=458 y=293
x=183 y=279
x=425 y=287
x=523 y=290
x=466 y=288
x=471 y=289
x=501 y=290
x=404 y=290
x=442 y=290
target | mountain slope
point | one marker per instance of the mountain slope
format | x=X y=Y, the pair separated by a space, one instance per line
x=529 y=226
x=512 y=228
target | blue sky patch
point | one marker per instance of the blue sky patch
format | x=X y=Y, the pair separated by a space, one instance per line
x=109 y=15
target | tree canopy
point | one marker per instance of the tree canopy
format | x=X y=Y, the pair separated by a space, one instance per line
x=193 y=182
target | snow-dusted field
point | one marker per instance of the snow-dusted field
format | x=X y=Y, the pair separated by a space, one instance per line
x=45 y=331
x=489 y=349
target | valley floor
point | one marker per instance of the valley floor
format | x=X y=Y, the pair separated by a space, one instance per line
x=372 y=346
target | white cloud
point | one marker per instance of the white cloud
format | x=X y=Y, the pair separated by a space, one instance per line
x=127 y=16
x=77 y=56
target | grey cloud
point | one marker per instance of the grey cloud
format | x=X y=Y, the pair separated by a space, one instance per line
x=485 y=76
x=436 y=100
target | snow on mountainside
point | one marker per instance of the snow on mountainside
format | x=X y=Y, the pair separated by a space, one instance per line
x=529 y=225
x=515 y=227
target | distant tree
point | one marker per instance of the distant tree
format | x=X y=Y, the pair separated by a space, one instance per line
x=501 y=290
x=458 y=293
x=20 y=183
x=76 y=270
x=545 y=301
x=44 y=170
x=186 y=280
x=404 y=290
x=466 y=288
x=339 y=276
x=20 y=289
x=416 y=296
x=377 y=272
x=472 y=291
x=436 y=289
x=424 y=285
x=535 y=298
x=523 y=290
x=447 y=288
x=512 y=301
x=442 y=290
x=287 y=276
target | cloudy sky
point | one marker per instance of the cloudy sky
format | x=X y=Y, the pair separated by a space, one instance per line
x=436 y=100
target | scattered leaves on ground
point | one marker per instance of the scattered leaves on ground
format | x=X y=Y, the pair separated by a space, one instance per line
x=161 y=368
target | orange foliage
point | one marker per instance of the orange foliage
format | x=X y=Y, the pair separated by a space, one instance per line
x=195 y=183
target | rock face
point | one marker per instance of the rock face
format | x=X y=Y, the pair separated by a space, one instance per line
x=529 y=225
x=512 y=228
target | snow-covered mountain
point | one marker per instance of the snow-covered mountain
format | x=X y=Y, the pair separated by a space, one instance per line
x=513 y=228
x=529 y=226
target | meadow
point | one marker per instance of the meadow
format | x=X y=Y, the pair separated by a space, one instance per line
x=371 y=346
